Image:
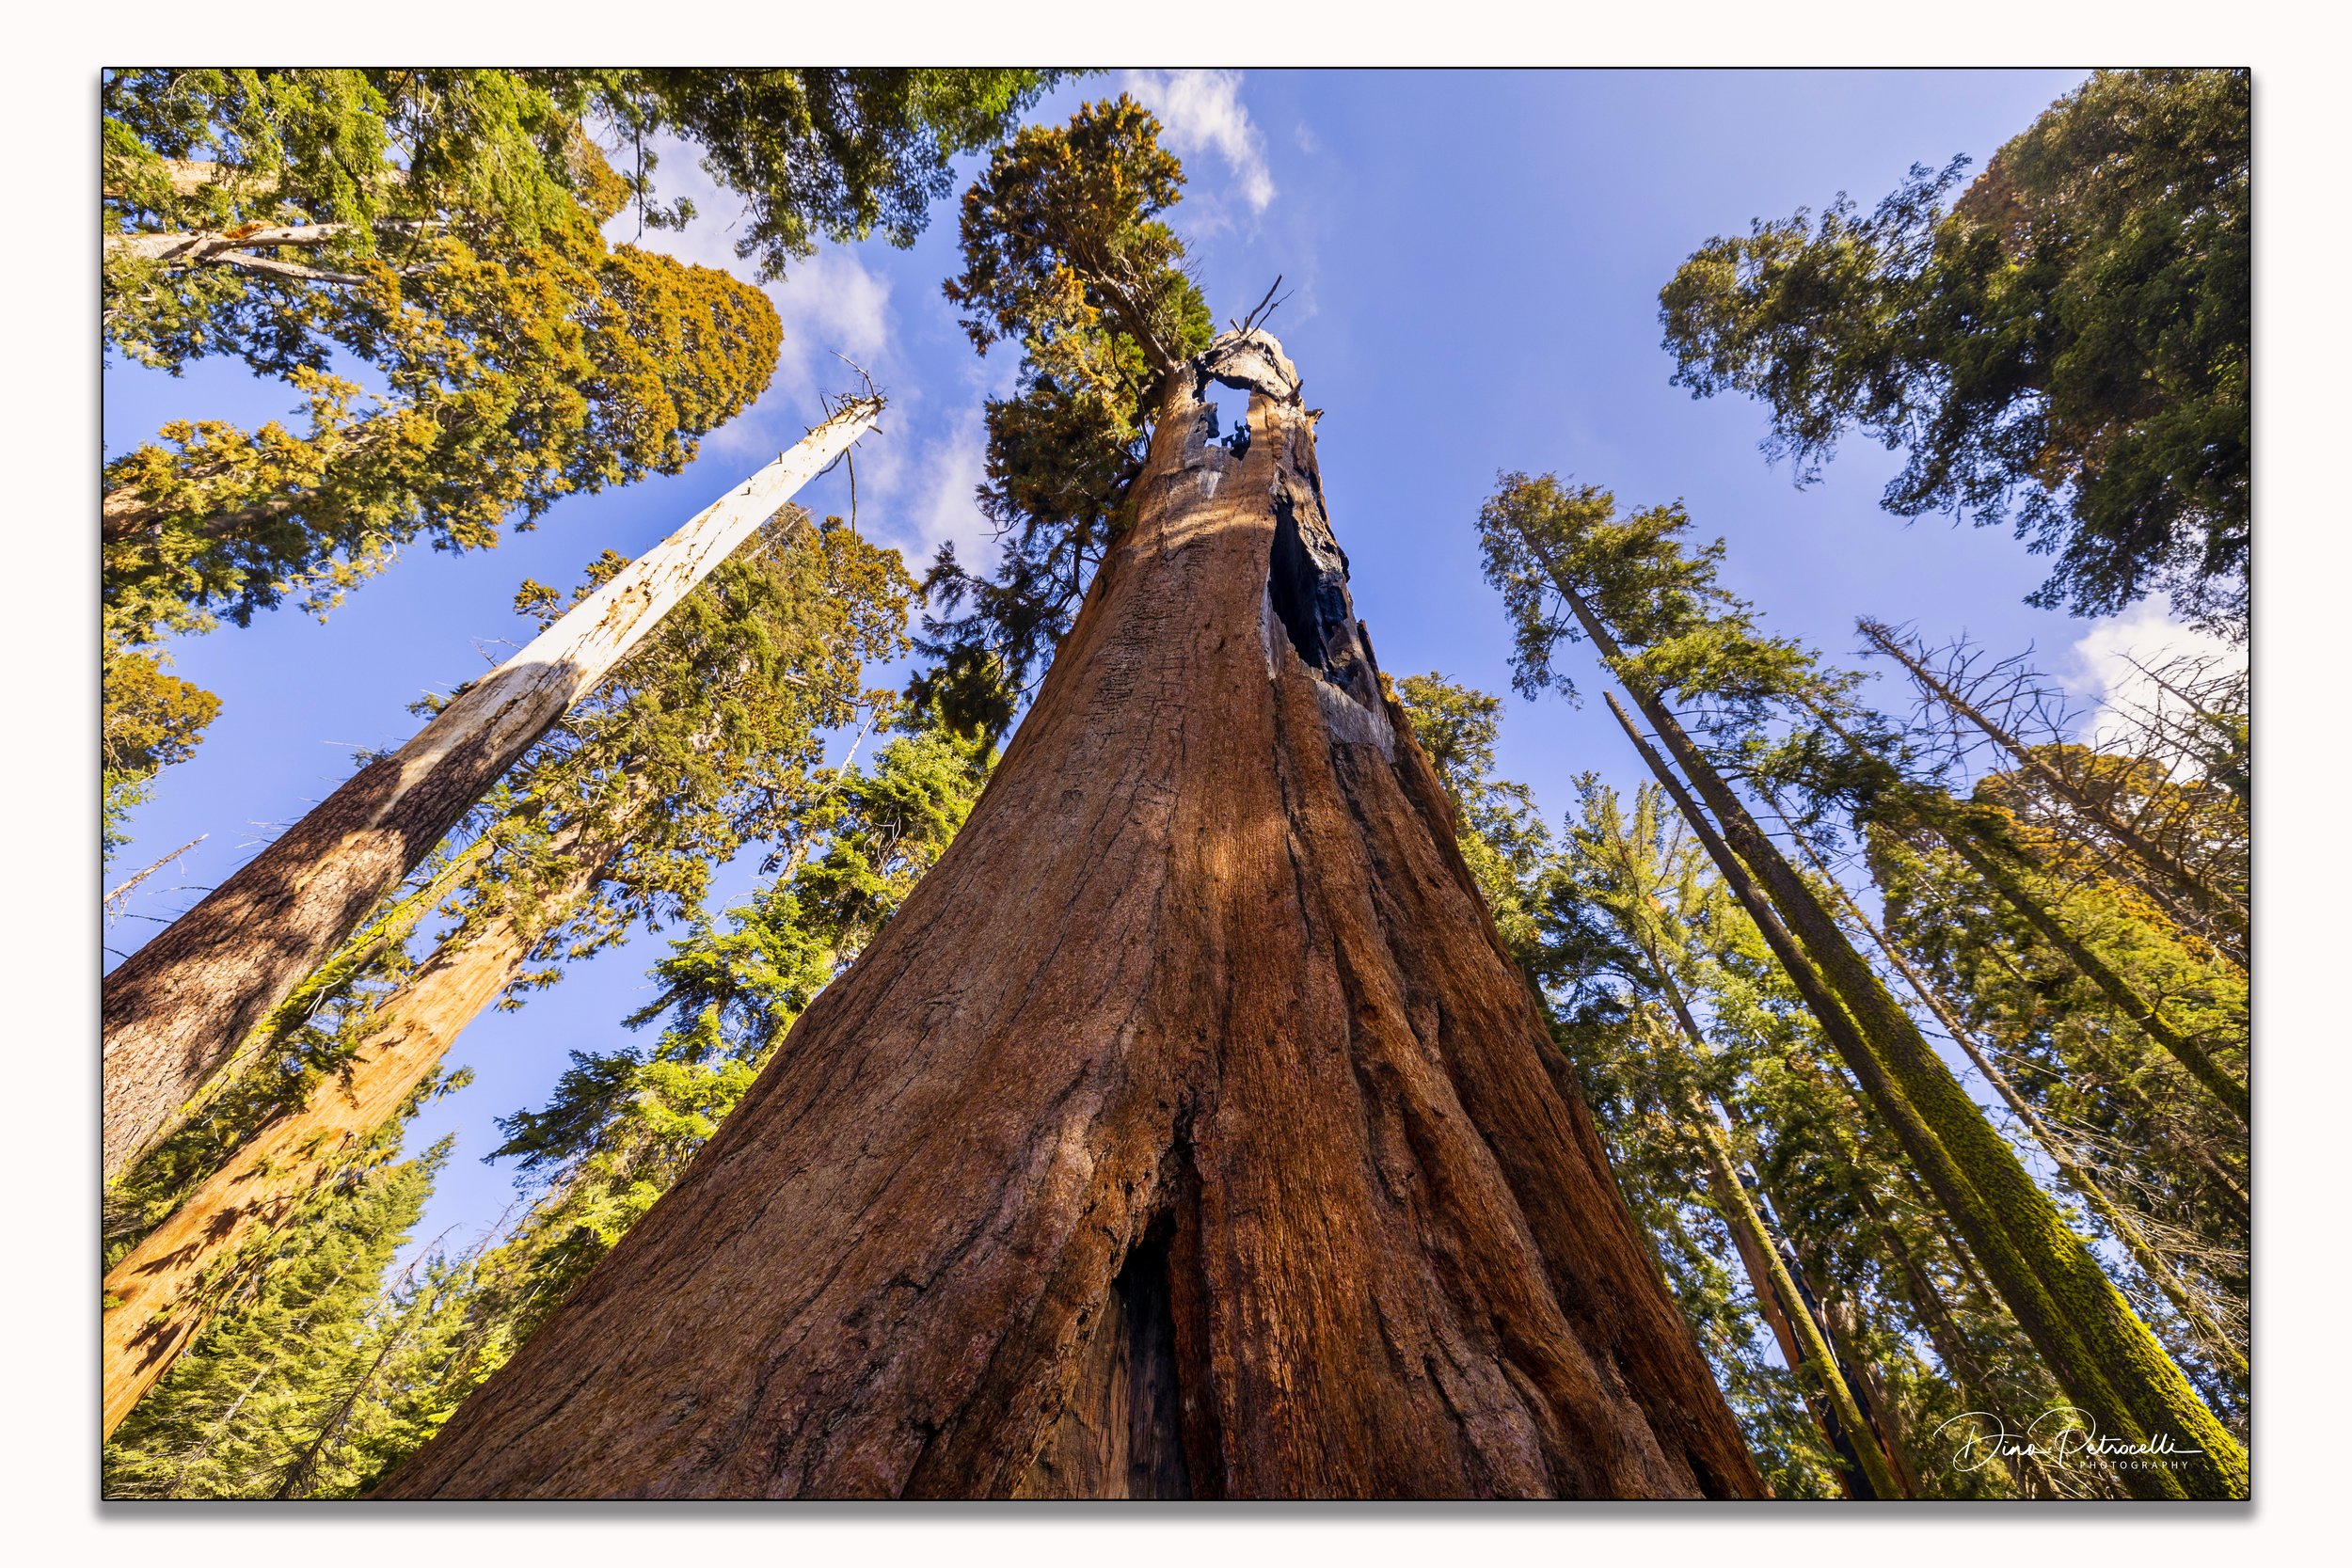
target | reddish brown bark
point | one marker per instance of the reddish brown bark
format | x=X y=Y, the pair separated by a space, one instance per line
x=159 y=1296
x=1188 y=1132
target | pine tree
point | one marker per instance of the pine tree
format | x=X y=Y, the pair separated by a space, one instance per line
x=2146 y=822
x=173 y=1011
x=2158 y=1165
x=1636 y=905
x=235 y=1416
x=622 y=1124
x=2066 y=347
x=1501 y=834
x=706 y=737
x=1065 y=253
x=438 y=229
x=148 y=720
x=1570 y=567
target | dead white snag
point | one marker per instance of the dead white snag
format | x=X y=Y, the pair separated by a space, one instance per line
x=174 y=1010
x=237 y=247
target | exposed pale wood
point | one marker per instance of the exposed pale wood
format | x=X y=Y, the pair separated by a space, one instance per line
x=234 y=248
x=176 y=1008
x=123 y=889
x=1204 y=964
x=191 y=176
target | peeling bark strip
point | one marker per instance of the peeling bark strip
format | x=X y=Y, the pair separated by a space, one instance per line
x=176 y=1008
x=1188 y=1132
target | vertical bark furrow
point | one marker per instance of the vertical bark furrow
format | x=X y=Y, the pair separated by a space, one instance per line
x=1193 y=1091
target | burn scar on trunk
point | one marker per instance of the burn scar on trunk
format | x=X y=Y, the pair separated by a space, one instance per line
x=1306 y=592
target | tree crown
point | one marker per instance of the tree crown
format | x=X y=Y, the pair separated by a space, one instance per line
x=2066 y=347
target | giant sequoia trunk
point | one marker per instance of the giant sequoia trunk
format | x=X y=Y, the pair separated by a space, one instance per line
x=1188 y=1133
x=174 y=1010
x=167 y=1288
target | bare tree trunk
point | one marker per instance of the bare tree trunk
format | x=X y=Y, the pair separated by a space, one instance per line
x=232 y=248
x=2215 y=903
x=123 y=889
x=2233 y=1096
x=1788 y=1310
x=177 y=1008
x=1842 y=1322
x=2095 y=1345
x=163 y=1294
x=1200 y=1015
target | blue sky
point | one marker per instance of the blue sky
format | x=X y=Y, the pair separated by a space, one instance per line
x=1476 y=257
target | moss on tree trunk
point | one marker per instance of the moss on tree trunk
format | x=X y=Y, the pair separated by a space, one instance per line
x=2096 y=1346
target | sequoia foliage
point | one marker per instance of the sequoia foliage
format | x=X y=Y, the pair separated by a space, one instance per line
x=2067 y=347
x=1065 y=254
x=418 y=255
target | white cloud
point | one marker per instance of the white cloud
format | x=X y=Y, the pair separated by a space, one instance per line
x=1201 y=111
x=918 y=493
x=2112 y=658
x=710 y=240
x=947 y=512
x=829 y=304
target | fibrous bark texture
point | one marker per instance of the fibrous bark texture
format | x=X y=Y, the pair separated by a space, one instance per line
x=166 y=1288
x=174 y=1010
x=1188 y=1133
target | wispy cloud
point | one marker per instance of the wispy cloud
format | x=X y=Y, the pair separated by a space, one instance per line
x=915 y=487
x=831 y=305
x=945 y=511
x=1201 y=112
x=710 y=240
x=2111 y=661
x=828 y=304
